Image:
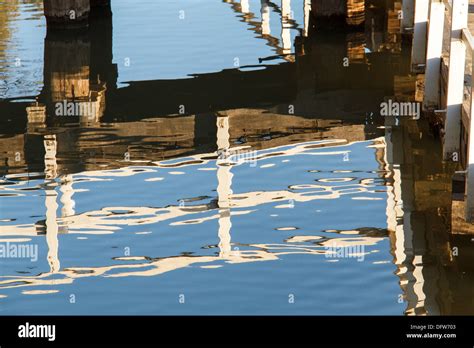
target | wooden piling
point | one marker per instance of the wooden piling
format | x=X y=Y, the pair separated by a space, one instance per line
x=418 y=56
x=66 y=13
x=434 y=51
x=458 y=125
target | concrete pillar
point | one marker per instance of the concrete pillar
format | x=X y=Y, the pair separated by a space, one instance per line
x=66 y=13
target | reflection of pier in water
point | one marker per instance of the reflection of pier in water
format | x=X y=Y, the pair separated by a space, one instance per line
x=102 y=222
x=428 y=273
x=317 y=86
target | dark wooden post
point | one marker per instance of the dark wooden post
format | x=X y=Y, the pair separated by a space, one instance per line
x=66 y=13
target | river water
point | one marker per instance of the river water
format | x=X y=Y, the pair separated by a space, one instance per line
x=231 y=160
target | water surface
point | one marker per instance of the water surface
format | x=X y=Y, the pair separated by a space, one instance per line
x=229 y=155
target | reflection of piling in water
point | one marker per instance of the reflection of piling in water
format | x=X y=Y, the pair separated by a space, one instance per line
x=286 y=26
x=99 y=3
x=356 y=48
x=78 y=67
x=282 y=48
x=339 y=13
x=36 y=114
x=66 y=66
x=355 y=12
x=52 y=229
x=324 y=8
x=245 y=7
x=265 y=14
x=77 y=64
x=67 y=193
x=50 y=163
x=224 y=188
x=101 y=38
x=69 y=89
x=67 y=14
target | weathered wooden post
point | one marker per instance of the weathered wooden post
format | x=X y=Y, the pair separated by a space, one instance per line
x=433 y=55
x=66 y=13
x=455 y=91
x=418 y=56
